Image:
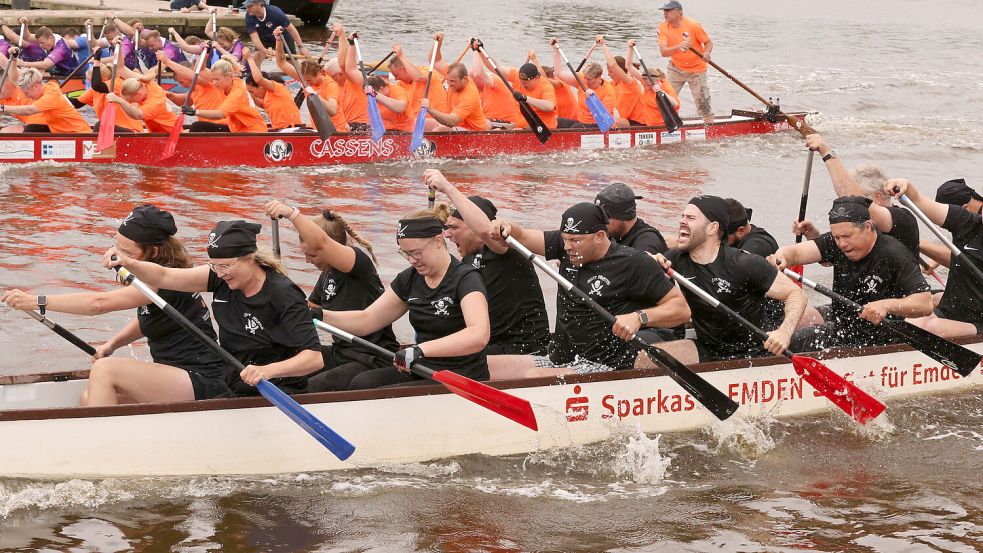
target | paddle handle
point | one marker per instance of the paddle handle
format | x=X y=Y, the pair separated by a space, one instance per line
x=63 y=332
x=23 y=32
x=431 y=198
x=822 y=290
x=583 y=62
x=358 y=57
x=804 y=200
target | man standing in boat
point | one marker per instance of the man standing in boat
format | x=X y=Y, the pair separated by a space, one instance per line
x=740 y=280
x=261 y=21
x=870 y=268
x=677 y=36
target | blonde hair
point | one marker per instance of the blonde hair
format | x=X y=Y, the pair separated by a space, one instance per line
x=227 y=34
x=29 y=77
x=223 y=66
x=440 y=212
x=339 y=230
x=593 y=70
x=870 y=179
x=268 y=260
x=130 y=86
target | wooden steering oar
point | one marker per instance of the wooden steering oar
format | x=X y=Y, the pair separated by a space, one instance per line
x=493 y=399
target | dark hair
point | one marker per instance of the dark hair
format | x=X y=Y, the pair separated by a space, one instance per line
x=339 y=230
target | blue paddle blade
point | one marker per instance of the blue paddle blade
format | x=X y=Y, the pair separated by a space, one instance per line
x=417 y=140
x=330 y=439
x=601 y=114
x=375 y=120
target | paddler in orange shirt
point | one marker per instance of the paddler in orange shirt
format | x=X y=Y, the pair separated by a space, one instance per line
x=651 y=115
x=677 y=36
x=243 y=116
x=322 y=81
x=628 y=92
x=204 y=97
x=393 y=104
x=273 y=96
x=463 y=101
x=593 y=78
x=145 y=101
x=530 y=87
x=354 y=104
x=12 y=95
x=47 y=99
x=566 y=99
x=497 y=102
x=413 y=80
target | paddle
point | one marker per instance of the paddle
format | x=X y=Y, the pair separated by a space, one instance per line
x=958 y=255
x=669 y=114
x=924 y=265
x=275 y=230
x=107 y=126
x=960 y=359
x=431 y=198
x=319 y=112
x=175 y=135
x=841 y=392
x=583 y=62
x=82 y=65
x=327 y=437
x=803 y=201
x=713 y=399
x=421 y=117
x=600 y=113
x=6 y=70
x=493 y=399
x=534 y=121
x=62 y=331
x=375 y=118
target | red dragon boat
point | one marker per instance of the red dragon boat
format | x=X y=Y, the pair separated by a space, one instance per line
x=202 y=150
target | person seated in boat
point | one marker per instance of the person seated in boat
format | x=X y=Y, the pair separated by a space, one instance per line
x=446 y=302
x=957 y=192
x=273 y=96
x=870 y=268
x=516 y=309
x=323 y=81
x=626 y=282
x=497 y=103
x=741 y=234
x=566 y=98
x=78 y=42
x=393 y=104
x=242 y=115
x=133 y=45
x=740 y=280
x=262 y=316
x=262 y=21
x=349 y=281
x=624 y=225
x=182 y=369
x=463 y=101
x=226 y=41
x=47 y=100
x=144 y=100
x=593 y=78
x=414 y=81
x=960 y=309
x=205 y=96
x=652 y=83
x=59 y=58
x=12 y=95
x=156 y=43
x=185 y=6
x=529 y=87
x=354 y=103
x=627 y=90
x=97 y=96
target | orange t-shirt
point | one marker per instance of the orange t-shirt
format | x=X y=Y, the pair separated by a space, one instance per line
x=652 y=114
x=629 y=100
x=243 y=116
x=208 y=96
x=497 y=103
x=155 y=113
x=396 y=121
x=566 y=100
x=353 y=103
x=541 y=89
x=670 y=36
x=329 y=90
x=466 y=104
x=605 y=93
x=98 y=102
x=279 y=104
x=59 y=114
x=18 y=98
x=437 y=94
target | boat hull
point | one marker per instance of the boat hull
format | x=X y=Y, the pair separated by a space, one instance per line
x=416 y=424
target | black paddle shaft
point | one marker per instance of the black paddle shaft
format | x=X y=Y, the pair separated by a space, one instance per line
x=64 y=333
x=804 y=200
x=535 y=122
x=378 y=350
x=319 y=113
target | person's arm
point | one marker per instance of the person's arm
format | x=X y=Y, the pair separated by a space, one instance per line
x=805 y=228
x=617 y=74
x=189 y=48
x=297 y=40
x=81 y=303
x=127 y=335
x=477 y=72
x=28 y=35
x=533 y=240
x=302 y=363
x=560 y=70
x=446 y=119
x=29 y=109
x=255 y=71
x=439 y=65
x=382 y=312
x=795 y=300
x=194 y=279
x=935 y=211
x=44 y=65
x=672 y=310
x=412 y=71
x=281 y=58
x=254 y=37
x=340 y=256
x=474 y=218
x=131 y=110
x=352 y=70
x=12 y=36
x=796 y=254
x=392 y=104
x=936 y=252
x=910 y=307
x=177 y=68
x=124 y=28
x=343 y=47
x=470 y=339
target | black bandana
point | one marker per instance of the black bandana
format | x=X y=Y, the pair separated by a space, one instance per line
x=232 y=239
x=148 y=225
x=734 y=225
x=714 y=208
x=484 y=205
x=850 y=209
x=584 y=218
x=419 y=228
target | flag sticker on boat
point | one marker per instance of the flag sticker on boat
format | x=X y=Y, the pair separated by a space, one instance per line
x=17 y=149
x=619 y=141
x=696 y=134
x=57 y=149
x=645 y=138
x=670 y=137
x=592 y=142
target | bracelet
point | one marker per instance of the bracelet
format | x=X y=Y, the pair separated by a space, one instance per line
x=294 y=215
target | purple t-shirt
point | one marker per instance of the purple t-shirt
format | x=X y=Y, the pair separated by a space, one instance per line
x=237 y=50
x=63 y=57
x=173 y=53
x=4 y=46
x=33 y=52
x=129 y=53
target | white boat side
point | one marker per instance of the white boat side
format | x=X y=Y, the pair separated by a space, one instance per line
x=44 y=439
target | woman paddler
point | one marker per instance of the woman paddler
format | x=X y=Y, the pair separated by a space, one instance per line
x=446 y=302
x=241 y=114
x=349 y=281
x=182 y=369
x=262 y=316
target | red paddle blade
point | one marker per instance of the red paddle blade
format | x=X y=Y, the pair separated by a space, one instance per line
x=799 y=270
x=107 y=129
x=171 y=144
x=844 y=394
x=505 y=404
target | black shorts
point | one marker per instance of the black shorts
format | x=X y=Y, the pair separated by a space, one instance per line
x=207 y=387
x=513 y=348
x=940 y=314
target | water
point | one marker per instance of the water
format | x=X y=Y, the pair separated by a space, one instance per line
x=891 y=87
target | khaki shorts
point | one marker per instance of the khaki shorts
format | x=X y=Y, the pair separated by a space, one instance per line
x=697 y=85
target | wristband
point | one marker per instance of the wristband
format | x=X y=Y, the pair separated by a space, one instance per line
x=293 y=215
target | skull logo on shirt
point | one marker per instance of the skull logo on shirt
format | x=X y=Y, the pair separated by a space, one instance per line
x=330 y=289
x=252 y=323
x=442 y=305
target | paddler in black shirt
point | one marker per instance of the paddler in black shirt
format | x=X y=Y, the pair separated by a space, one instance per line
x=870 y=268
x=446 y=302
x=960 y=309
x=349 y=281
x=624 y=281
x=624 y=226
x=516 y=309
x=263 y=318
x=182 y=369
x=742 y=235
x=740 y=280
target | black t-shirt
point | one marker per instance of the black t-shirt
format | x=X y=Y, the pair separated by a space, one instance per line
x=623 y=281
x=264 y=28
x=758 y=241
x=436 y=312
x=904 y=228
x=515 y=300
x=963 y=296
x=888 y=271
x=170 y=344
x=740 y=281
x=270 y=326
x=644 y=237
x=353 y=291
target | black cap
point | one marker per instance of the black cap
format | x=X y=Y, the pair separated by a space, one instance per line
x=739 y=215
x=148 y=225
x=232 y=239
x=714 y=208
x=618 y=201
x=850 y=209
x=956 y=192
x=483 y=204
x=584 y=218
x=528 y=71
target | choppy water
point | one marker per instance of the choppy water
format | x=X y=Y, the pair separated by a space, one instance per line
x=896 y=83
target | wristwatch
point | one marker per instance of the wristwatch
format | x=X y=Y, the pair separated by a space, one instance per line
x=829 y=156
x=643 y=317
x=42 y=303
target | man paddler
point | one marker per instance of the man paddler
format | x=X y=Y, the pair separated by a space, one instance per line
x=464 y=112
x=624 y=225
x=529 y=87
x=414 y=80
x=48 y=101
x=677 y=36
x=593 y=78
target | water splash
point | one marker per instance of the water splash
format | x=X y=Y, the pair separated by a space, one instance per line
x=749 y=437
x=640 y=461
